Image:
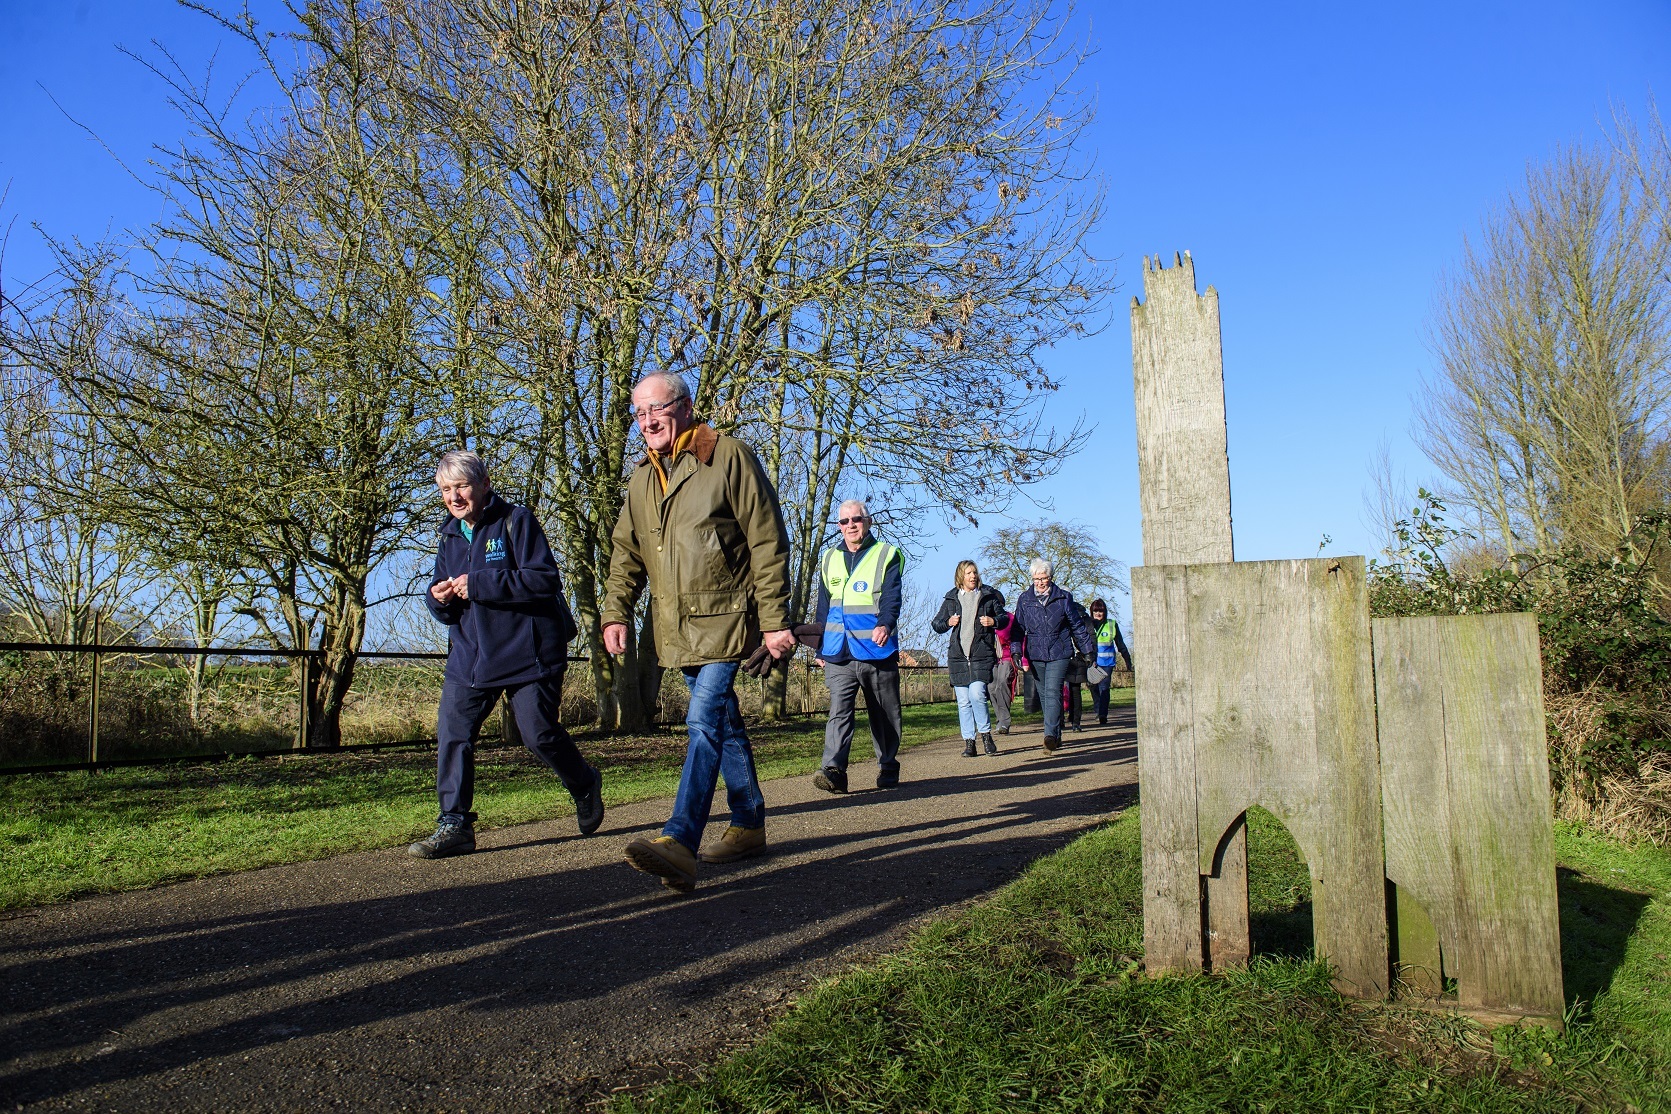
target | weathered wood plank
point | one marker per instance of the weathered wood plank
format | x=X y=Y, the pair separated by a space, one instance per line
x=1491 y=884
x=1183 y=466
x=1418 y=959
x=1183 y=472
x=1172 y=915
x=1224 y=900
x=1280 y=662
x=1415 y=810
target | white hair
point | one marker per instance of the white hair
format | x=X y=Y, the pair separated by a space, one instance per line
x=462 y=464
x=675 y=384
x=1038 y=565
x=859 y=503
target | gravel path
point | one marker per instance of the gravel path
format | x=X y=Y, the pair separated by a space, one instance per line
x=541 y=973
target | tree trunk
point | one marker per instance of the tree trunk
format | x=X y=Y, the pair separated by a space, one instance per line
x=649 y=670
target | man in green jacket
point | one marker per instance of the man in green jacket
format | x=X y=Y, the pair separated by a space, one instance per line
x=701 y=527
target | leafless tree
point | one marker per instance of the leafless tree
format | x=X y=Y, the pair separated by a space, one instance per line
x=1550 y=411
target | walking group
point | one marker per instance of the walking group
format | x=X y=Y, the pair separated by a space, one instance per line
x=702 y=531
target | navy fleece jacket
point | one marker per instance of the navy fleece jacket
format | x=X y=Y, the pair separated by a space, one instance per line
x=507 y=632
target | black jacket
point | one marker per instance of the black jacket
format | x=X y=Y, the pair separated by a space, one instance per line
x=983 y=651
x=507 y=632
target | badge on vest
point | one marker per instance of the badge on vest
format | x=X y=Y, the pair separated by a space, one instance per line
x=860 y=586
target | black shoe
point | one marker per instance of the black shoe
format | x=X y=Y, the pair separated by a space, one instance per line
x=1003 y=731
x=1051 y=742
x=1102 y=721
x=452 y=837
x=991 y=747
x=831 y=779
x=968 y=748
x=887 y=780
x=588 y=806
x=1075 y=727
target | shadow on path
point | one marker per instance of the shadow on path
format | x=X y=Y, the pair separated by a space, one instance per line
x=403 y=981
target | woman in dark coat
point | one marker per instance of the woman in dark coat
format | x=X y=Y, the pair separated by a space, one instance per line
x=971 y=612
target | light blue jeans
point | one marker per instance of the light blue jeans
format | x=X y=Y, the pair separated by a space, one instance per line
x=971 y=709
x=718 y=745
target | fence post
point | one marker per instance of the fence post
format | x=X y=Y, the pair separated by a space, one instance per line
x=302 y=700
x=93 y=701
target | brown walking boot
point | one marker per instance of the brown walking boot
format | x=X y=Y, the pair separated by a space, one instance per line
x=667 y=859
x=736 y=843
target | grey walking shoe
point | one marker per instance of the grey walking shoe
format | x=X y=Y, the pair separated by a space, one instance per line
x=986 y=741
x=588 y=806
x=1051 y=742
x=831 y=779
x=452 y=837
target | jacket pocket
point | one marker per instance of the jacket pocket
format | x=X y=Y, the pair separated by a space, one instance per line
x=717 y=625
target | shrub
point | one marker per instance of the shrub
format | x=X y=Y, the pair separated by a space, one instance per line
x=1606 y=646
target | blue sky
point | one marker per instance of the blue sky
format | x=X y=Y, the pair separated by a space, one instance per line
x=1322 y=162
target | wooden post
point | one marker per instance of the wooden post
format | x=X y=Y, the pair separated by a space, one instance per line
x=93 y=698
x=1183 y=468
x=304 y=697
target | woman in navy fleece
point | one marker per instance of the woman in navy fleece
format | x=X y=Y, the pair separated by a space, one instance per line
x=497 y=589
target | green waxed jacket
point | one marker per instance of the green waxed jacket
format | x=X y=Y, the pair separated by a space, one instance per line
x=713 y=551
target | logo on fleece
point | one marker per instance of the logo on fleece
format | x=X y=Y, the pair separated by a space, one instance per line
x=494 y=549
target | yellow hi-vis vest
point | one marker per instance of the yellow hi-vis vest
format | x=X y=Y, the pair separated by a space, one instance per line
x=853 y=596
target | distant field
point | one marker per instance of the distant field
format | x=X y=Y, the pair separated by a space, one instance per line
x=146 y=710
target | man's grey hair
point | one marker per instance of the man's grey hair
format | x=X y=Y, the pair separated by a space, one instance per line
x=676 y=386
x=859 y=503
x=1038 y=565
x=462 y=464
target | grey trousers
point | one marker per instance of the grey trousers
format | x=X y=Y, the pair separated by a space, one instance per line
x=999 y=693
x=880 y=684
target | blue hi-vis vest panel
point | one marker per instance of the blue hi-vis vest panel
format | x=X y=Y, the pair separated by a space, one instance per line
x=1106 y=654
x=853 y=603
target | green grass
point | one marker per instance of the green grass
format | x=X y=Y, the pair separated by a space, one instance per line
x=67 y=834
x=1033 y=1001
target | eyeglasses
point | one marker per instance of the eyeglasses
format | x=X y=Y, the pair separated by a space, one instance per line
x=656 y=410
x=849 y=521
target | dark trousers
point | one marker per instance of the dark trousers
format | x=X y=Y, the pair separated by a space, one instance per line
x=880 y=685
x=1029 y=692
x=465 y=709
x=1075 y=702
x=1099 y=697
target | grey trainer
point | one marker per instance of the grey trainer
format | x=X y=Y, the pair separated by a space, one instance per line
x=451 y=837
x=588 y=806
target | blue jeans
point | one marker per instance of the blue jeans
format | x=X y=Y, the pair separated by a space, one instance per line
x=1048 y=678
x=718 y=745
x=971 y=709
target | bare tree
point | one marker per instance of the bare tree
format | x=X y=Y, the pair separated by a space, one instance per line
x=1078 y=562
x=1550 y=413
x=277 y=402
x=64 y=564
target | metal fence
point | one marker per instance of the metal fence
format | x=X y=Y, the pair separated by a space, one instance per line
x=67 y=706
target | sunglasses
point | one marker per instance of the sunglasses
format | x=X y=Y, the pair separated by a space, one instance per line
x=850 y=521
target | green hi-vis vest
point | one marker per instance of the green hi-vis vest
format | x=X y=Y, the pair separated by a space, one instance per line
x=1106 y=634
x=853 y=596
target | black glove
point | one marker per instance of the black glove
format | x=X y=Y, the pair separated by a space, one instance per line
x=810 y=635
x=759 y=663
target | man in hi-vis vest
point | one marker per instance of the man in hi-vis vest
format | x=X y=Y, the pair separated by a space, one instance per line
x=859 y=594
